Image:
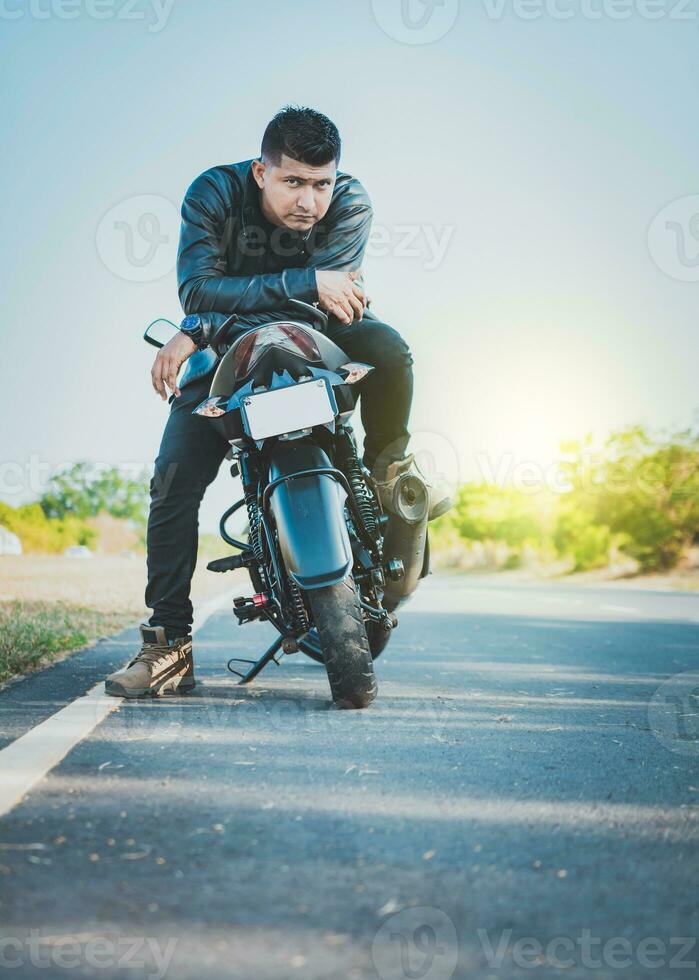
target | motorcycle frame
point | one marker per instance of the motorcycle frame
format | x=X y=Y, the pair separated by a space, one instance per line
x=263 y=494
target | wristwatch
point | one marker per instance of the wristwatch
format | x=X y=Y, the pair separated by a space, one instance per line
x=194 y=327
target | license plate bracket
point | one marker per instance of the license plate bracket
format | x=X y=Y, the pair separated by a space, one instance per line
x=287 y=409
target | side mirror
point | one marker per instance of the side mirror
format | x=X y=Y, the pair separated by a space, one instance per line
x=159 y=332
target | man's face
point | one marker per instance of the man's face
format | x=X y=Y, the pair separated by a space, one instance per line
x=292 y=194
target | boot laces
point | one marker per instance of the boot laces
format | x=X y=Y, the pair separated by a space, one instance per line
x=152 y=653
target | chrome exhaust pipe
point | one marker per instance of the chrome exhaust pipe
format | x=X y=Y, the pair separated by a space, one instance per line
x=405 y=537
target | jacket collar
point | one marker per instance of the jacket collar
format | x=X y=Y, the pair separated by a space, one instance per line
x=252 y=213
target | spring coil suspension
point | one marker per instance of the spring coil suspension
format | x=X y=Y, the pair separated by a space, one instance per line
x=255 y=526
x=355 y=478
x=298 y=610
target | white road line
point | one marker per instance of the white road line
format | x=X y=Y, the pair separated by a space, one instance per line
x=31 y=756
x=622 y=609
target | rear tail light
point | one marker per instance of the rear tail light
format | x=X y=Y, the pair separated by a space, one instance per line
x=286 y=336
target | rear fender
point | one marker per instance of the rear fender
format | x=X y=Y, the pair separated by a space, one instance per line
x=309 y=512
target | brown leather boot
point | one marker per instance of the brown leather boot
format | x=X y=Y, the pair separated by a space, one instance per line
x=158 y=668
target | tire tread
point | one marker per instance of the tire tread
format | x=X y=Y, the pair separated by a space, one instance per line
x=343 y=640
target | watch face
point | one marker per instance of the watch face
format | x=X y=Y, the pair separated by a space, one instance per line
x=191 y=322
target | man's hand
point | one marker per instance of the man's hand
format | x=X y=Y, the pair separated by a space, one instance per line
x=170 y=359
x=340 y=295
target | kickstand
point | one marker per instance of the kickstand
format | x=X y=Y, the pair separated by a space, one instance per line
x=258 y=665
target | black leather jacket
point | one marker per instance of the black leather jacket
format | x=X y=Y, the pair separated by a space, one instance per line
x=232 y=260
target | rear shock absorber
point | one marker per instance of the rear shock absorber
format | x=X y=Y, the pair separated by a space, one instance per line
x=255 y=527
x=249 y=489
x=355 y=478
x=298 y=610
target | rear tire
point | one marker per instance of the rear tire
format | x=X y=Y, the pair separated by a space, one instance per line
x=344 y=644
x=375 y=634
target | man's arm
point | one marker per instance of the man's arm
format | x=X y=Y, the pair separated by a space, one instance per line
x=337 y=249
x=201 y=265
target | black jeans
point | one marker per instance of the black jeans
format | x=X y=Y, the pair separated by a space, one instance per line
x=191 y=453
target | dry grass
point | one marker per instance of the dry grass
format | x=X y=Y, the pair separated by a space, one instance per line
x=51 y=605
x=34 y=633
x=107 y=583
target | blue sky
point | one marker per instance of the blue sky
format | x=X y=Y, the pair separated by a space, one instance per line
x=515 y=166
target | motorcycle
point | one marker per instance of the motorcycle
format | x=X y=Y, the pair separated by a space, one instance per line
x=328 y=565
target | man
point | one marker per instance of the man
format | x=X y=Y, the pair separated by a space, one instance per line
x=255 y=235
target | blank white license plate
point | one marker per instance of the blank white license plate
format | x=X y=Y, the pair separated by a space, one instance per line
x=299 y=406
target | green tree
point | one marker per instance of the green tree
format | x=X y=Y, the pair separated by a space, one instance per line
x=644 y=491
x=488 y=512
x=40 y=534
x=85 y=490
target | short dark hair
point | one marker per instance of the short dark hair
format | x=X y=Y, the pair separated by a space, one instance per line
x=302 y=134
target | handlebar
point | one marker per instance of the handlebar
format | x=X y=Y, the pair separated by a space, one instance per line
x=317 y=318
x=304 y=310
x=312 y=312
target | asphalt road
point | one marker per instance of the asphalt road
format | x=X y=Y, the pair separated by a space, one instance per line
x=521 y=801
